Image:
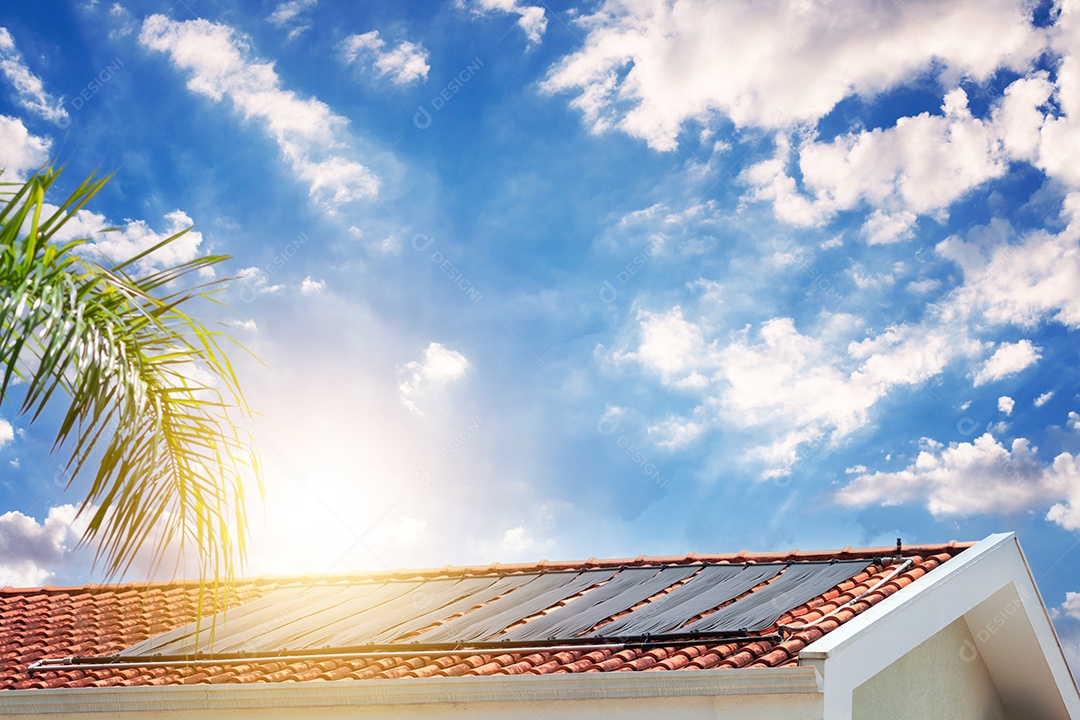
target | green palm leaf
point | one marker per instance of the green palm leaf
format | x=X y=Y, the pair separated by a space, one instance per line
x=156 y=415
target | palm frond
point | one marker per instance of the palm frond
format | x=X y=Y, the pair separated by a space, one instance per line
x=168 y=453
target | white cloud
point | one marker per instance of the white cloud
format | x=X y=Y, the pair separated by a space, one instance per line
x=920 y=165
x=7 y=433
x=30 y=553
x=1008 y=359
x=249 y=325
x=795 y=388
x=881 y=228
x=28 y=86
x=1073 y=422
x=1022 y=284
x=1059 y=139
x=124 y=22
x=404 y=64
x=307 y=131
x=439 y=367
x=531 y=18
x=980 y=477
x=20 y=151
x=1044 y=398
x=286 y=12
x=1006 y=404
x=290 y=15
x=676 y=433
x=309 y=286
x=924 y=286
x=1071 y=606
x=518 y=544
x=671 y=347
x=254 y=281
x=648 y=67
x=689 y=230
x=133 y=237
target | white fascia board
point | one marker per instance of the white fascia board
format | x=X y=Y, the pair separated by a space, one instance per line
x=867 y=644
x=662 y=686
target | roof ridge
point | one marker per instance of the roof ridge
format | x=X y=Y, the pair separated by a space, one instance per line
x=952 y=547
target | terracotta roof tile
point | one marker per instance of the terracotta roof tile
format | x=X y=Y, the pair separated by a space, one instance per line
x=97 y=620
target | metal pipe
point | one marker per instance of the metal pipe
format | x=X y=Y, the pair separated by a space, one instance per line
x=98 y=663
x=899 y=569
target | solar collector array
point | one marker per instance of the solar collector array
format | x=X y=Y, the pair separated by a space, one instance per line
x=713 y=586
x=630 y=587
x=515 y=609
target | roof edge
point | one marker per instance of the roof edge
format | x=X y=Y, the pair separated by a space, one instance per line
x=352 y=693
x=953 y=548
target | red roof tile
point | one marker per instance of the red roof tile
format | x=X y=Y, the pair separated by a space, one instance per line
x=98 y=620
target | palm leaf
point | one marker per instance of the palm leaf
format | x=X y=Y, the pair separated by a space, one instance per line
x=168 y=454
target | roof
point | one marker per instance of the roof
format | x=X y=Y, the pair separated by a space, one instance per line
x=104 y=620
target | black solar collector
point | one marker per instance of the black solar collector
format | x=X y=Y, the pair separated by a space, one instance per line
x=318 y=630
x=799 y=583
x=558 y=607
x=476 y=591
x=287 y=603
x=713 y=586
x=630 y=587
x=541 y=594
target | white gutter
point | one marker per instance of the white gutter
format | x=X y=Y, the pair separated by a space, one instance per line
x=195 y=701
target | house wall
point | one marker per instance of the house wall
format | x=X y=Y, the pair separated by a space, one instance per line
x=747 y=694
x=938 y=680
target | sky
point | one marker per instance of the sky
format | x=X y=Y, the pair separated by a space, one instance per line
x=631 y=277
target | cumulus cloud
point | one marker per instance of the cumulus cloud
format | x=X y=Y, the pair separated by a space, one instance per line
x=795 y=388
x=7 y=433
x=1020 y=283
x=1071 y=606
x=403 y=64
x=920 y=165
x=31 y=552
x=29 y=89
x=132 y=238
x=1008 y=359
x=309 y=134
x=439 y=367
x=881 y=227
x=983 y=476
x=308 y=286
x=20 y=152
x=531 y=18
x=1006 y=404
x=1043 y=399
x=648 y=68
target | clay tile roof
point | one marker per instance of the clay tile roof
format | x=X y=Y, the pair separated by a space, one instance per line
x=99 y=620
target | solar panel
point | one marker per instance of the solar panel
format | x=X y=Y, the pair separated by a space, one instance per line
x=630 y=587
x=713 y=586
x=799 y=583
x=479 y=609
x=316 y=628
x=493 y=618
x=278 y=605
x=491 y=588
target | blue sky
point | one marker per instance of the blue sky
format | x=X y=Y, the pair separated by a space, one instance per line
x=551 y=281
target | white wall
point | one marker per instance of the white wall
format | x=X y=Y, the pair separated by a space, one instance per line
x=941 y=679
